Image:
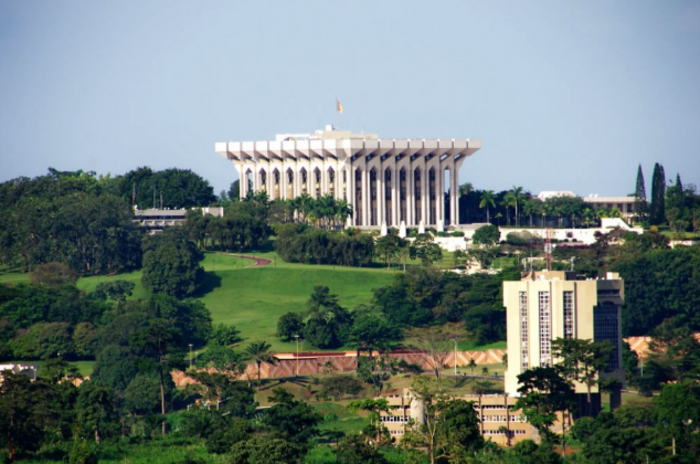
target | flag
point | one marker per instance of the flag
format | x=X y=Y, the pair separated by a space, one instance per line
x=340 y=107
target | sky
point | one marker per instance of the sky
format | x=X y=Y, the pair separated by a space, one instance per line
x=568 y=95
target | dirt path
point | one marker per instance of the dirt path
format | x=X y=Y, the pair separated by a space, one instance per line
x=259 y=262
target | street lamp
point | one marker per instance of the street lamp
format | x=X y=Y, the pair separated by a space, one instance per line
x=455 y=342
x=297 y=337
x=190 y=345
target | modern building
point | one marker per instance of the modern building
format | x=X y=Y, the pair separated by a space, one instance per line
x=547 y=305
x=390 y=181
x=499 y=421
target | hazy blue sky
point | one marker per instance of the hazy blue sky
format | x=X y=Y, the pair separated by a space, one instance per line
x=565 y=95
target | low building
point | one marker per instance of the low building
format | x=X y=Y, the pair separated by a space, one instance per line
x=498 y=418
x=623 y=204
x=157 y=219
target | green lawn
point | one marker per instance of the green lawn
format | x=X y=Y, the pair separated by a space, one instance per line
x=252 y=299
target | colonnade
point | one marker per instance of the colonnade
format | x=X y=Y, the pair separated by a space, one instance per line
x=383 y=181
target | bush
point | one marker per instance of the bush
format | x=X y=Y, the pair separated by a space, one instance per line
x=457 y=233
x=441 y=234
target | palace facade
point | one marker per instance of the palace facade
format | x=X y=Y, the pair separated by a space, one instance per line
x=384 y=181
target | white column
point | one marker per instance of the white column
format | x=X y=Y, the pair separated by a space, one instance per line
x=425 y=195
x=394 y=197
x=410 y=197
x=381 y=206
x=440 y=195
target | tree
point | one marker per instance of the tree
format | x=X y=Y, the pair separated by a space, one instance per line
x=95 y=408
x=160 y=344
x=679 y=411
x=582 y=361
x=544 y=392
x=641 y=207
x=487 y=236
x=657 y=212
x=290 y=326
x=487 y=200
x=259 y=352
x=425 y=249
x=171 y=264
x=389 y=248
x=21 y=404
x=374 y=407
x=437 y=346
x=354 y=449
x=328 y=323
x=372 y=330
x=290 y=419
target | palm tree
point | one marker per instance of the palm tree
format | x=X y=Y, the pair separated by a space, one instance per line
x=487 y=199
x=518 y=196
x=343 y=211
x=508 y=201
x=260 y=353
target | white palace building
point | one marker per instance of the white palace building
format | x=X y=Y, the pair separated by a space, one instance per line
x=385 y=181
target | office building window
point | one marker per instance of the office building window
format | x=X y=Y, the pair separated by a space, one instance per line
x=545 y=329
x=523 y=331
x=568 y=314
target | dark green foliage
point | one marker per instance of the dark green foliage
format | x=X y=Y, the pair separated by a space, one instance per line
x=67 y=217
x=460 y=425
x=354 y=449
x=44 y=340
x=289 y=326
x=244 y=227
x=19 y=410
x=171 y=264
x=660 y=284
x=657 y=210
x=641 y=207
x=115 y=367
x=267 y=449
x=179 y=188
x=142 y=394
x=328 y=323
x=298 y=243
x=115 y=290
x=487 y=236
x=371 y=330
x=292 y=420
x=544 y=392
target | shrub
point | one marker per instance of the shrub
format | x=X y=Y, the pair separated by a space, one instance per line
x=457 y=233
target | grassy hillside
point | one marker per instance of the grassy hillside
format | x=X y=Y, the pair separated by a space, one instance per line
x=252 y=299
